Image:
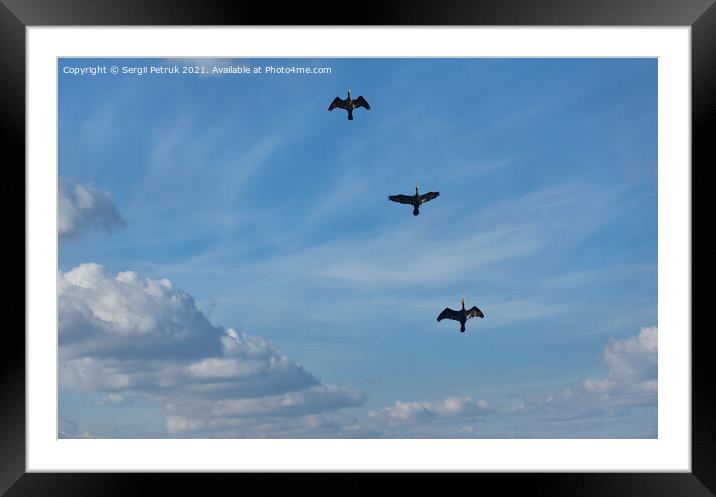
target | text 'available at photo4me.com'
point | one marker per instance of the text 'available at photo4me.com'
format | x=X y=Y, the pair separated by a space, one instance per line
x=197 y=70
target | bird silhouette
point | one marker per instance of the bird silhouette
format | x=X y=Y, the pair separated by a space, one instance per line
x=462 y=315
x=415 y=200
x=349 y=104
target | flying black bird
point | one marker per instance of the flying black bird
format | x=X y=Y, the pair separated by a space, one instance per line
x=462 y=315
x=349 y=104
x=414 y=200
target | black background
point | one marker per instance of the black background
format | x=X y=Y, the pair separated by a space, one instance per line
x=15 y=15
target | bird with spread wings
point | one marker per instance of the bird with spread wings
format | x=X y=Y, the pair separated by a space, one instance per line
x=461 y=315
x=349 y=104
x=415 y=200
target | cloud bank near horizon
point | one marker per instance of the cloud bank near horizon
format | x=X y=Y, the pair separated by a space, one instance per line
x=131 y=338
x=631 y=381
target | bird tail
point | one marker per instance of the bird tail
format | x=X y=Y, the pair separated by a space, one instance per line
x=462 y=327
x=350 y=116
x=416 y=212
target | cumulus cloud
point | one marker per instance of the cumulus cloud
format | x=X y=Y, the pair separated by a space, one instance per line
x=83 y=208
x=631 y=381
x=129 y=337
x=632 y=367
x=451 y=408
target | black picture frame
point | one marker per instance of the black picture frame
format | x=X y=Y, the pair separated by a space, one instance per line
x=16 y=15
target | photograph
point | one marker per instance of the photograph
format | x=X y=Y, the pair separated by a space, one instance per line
x=273 y=244
x=357 y=248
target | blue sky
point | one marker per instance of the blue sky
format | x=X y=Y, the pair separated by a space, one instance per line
x=271 y=214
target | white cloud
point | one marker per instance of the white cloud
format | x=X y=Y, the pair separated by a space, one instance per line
x=631 y=381
x=132 y=339
x=437 y=262
x=83 y=208
x=451 y=408
x=129 y=337
x=632 y=367
x=245 y=414
x=511 y=230
x=101 y=315
x=581 y=410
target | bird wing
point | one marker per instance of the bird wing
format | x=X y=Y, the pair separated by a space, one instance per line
x=361 y=102
x=401 y=199
x=474 y=312
x=337 y=102
x=449 y=314
x=427 y=197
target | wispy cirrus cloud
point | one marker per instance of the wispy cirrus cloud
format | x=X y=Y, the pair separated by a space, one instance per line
x=275 y=214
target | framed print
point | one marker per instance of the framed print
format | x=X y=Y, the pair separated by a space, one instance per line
x=441 y=239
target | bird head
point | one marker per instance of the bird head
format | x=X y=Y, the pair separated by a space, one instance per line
x=416 y=187
x=462 y=301
x=349 y=92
